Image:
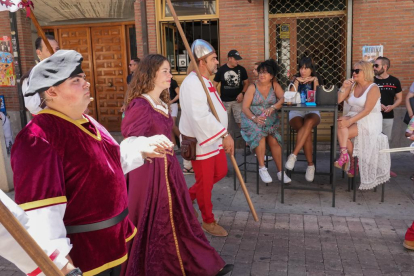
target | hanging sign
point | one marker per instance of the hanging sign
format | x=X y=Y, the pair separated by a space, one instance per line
x=284 y=31
x=371 y=53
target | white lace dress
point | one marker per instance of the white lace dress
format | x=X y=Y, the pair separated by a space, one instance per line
x=374 y=167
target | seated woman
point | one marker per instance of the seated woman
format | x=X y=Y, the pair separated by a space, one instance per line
x=304 y=121
x=364 y=123
x=260 y=123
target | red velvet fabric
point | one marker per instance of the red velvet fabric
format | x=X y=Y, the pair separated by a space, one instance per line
x=53 y=157
x=207 y=173
x=152 y=188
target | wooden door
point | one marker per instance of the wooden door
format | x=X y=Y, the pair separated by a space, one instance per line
x=110 y=67
x=78 y=39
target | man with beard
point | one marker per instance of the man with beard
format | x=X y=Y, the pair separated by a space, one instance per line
x=234 y=82
x=391 y=96
x=213 y=140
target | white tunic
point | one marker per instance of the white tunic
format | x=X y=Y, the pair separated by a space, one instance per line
x=197 y=120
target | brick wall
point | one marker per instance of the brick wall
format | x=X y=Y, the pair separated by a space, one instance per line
x=26 y=52
x=242 y=28
x=389 y=23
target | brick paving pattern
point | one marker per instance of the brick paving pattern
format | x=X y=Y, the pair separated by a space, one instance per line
x=295 y=245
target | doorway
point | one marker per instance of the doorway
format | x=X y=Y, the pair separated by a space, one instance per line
x=106 y=55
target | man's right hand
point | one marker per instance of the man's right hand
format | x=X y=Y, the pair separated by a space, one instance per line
x=228 y=145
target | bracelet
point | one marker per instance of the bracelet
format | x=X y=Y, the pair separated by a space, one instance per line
x=272 y=106
x=341 y=90
x=253 y=117
x=225 y=135
x=75 y=272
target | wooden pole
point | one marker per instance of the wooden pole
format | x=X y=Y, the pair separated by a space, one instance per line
x=28 y=244
x=39 y=30
x=210 y=103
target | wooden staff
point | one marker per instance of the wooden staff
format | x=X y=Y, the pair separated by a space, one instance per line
x=213 y=110
x=28 y=244
x=39 y=29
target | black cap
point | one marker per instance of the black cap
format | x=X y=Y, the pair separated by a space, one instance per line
x=54 y=70
x=235 y=54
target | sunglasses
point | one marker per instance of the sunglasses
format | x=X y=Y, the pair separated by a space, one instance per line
x=376 y=65
x=356 y=71
x=131 y=64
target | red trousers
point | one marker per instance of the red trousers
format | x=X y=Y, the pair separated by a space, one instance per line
x=207 y=173
x=409 y=235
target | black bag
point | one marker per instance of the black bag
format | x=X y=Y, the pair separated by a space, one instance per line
x=406 y=117
x=326 y=95
x=188 y=147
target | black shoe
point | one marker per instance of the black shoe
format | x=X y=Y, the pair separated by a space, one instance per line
x=226 y=269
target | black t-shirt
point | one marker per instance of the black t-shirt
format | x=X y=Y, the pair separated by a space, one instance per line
x=173 y=86
x=231 y=80
x=129 y=78
x=389 y=87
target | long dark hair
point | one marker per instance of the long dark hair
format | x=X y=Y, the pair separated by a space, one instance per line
x=270 y=66
x=308 y=63
x=143 y=80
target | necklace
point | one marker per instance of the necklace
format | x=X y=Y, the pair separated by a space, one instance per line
x=158 y=102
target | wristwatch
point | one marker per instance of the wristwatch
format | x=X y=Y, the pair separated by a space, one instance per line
x=75 y=272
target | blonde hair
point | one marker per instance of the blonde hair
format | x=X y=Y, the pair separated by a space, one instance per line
x=368 y=70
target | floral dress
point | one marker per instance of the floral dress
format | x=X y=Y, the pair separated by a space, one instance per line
x=251 y=132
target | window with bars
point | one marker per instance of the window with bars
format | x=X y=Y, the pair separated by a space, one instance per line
x=173 y=47
x=316 y=29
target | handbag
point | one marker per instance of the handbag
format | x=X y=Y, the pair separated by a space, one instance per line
x=293 y=96
x=326 y=95
x=406 y=117
x=188 y=147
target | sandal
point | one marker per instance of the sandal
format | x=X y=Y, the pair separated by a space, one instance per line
x=343 y=161
x=188 y=171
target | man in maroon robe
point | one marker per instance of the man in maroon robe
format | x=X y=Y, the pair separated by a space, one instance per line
x=69 y=171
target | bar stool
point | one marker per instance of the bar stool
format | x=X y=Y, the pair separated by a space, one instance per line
x=352 y=182
x=245 y=163
x=291 y=147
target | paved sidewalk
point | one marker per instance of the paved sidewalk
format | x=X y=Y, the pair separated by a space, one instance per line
x=306 y=236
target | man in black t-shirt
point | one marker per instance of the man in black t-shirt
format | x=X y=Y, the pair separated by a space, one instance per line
x=234 y=82
x=391 y=96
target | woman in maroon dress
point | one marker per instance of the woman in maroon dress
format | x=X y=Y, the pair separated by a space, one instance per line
x=170 y=240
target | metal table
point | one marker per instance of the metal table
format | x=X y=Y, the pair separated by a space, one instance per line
x=321 y=108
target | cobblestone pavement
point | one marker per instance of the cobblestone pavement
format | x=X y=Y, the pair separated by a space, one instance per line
x=306 y=236
x=294 y=245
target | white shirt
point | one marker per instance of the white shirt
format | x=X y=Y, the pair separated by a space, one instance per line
x=197 y=120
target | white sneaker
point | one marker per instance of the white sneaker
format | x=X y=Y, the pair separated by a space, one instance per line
x=264 y=175
x=285 y=178
x=310 y=173
x=290 y=163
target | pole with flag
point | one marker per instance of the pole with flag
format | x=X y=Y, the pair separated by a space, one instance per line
x=7 y=219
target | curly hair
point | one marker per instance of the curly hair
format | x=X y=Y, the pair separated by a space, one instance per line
x=143 y=80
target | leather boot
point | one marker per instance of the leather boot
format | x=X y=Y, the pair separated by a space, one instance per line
x=214 y=229
x=226 y=269
x=408 y=244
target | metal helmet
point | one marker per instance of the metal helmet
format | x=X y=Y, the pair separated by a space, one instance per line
x=201 y=49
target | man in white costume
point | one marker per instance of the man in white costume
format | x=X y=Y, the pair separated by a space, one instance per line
x=213 y=140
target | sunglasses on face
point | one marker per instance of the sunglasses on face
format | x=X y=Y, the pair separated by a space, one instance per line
x=356 y=71
x=376 y=65
x=131 y=64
